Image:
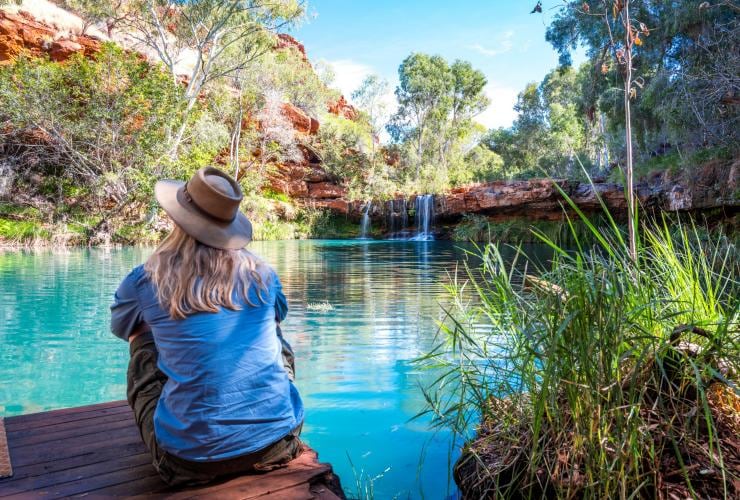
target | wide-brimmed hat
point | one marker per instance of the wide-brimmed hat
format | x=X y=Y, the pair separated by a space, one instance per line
x=207 y=208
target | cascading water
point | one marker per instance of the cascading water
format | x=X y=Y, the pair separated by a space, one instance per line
x=365 y=222
x=424 y=217
x=397 y=211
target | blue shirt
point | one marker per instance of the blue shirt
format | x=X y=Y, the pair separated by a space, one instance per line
x=227 y=392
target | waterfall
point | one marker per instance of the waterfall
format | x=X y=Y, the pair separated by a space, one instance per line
x=365 y=222
x=398 y=218
x=404 y=214
x=424 y=217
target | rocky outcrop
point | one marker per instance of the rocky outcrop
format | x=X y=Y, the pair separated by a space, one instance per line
x=713 y=186
x=49 y=30
x=20 y=34
x=344 y=109
x=287 y=42
x=300 y=120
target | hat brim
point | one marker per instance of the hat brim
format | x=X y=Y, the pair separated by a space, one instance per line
x=214 y=233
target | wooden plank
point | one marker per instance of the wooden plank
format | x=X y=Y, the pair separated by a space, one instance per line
x=34 y=483
x=6 y=468
x=298 y=471
x=101 y=454
x=68 y=448
x=97 y=451
x=74 y=424
x=322 y=492
x=243 y=487
x=256 y=486
x=95 y=426
x=91 y=484
x=45 y=419
x=146 y=487
x=299 y=492
x=68 y=412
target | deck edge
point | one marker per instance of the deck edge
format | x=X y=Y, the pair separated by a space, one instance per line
x=6 y=468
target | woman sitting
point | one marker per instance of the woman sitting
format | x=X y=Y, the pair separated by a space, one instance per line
x=209 y=378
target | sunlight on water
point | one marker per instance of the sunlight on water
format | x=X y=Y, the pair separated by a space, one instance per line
x=360 y=313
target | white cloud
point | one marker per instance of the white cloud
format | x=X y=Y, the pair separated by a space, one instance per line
x=504 y=43
x=500 y=112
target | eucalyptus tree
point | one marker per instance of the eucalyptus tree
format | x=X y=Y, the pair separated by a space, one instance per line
x=551 y=129
x=198 y=41
x=423 y=98
x=222 y=37
x=676 y=63
x=685 y=58
x=437 y=104
x=371 y=97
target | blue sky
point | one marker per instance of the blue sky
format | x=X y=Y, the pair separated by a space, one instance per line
x=499 y=37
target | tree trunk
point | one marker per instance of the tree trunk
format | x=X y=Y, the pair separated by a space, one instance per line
x=631 y=212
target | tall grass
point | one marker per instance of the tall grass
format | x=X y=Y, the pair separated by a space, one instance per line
x=603 y=377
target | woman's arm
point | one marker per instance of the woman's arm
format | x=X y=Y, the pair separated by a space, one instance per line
x=281 y=311
x=126 y=316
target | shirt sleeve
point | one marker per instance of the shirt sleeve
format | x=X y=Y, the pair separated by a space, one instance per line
x=125 y=311
x=281 y=303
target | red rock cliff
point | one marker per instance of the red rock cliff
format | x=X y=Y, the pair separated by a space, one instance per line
x=21 y=33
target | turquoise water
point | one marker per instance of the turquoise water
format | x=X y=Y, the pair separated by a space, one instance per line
x=354 y=366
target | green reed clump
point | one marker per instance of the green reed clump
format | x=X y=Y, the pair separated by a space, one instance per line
x=599 y=378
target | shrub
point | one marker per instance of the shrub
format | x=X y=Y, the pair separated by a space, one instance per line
x=88 y=117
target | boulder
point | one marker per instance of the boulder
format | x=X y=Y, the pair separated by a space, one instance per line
x=319 y=190
x=301 y=121
x=337 y=204
x=344 y=109
x=315 y=174
x=62 y=50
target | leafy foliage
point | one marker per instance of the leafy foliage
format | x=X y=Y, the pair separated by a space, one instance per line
x=98 y=122
x=685 y=60
x=434 y=123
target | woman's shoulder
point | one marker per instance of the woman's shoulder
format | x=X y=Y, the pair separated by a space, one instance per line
x=136 y=278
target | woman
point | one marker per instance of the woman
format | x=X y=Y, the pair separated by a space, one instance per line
x=206 y=379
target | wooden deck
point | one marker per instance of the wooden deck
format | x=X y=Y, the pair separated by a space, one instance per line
x=96 y=451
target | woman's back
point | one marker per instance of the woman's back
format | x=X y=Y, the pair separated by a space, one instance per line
x=227 y=393
x=206 y=381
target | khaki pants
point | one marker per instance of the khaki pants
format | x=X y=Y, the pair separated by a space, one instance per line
x=145 y=383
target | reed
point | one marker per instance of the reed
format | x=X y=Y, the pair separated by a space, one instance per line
x=604 y=377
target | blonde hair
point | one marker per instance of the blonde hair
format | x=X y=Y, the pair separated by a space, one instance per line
x=191 y=277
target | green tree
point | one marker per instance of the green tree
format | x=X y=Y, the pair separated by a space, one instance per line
x=686 y=56
x=434 y=121
x=370 y=97
x=551 y=129
x=423 y=97
x=217 y=38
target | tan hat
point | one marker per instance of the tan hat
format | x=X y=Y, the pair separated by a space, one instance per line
x=207 y=208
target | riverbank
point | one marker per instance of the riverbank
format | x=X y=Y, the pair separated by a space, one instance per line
x=22 y=227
